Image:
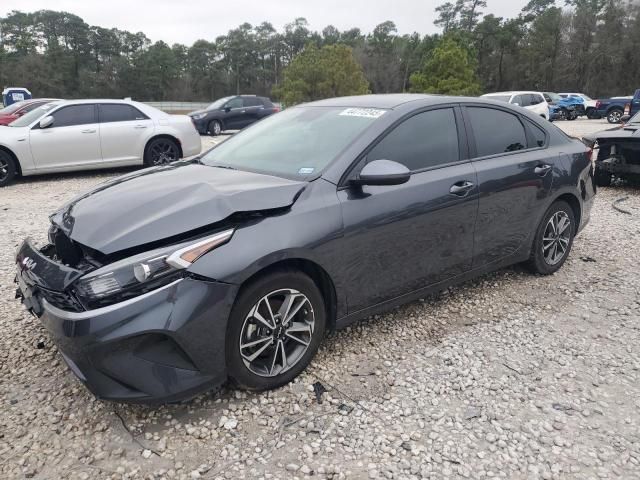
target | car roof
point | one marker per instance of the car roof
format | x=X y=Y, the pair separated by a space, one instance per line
x=515 y=92
x=387 y=100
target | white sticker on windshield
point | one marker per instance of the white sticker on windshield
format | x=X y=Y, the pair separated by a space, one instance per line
x=306 y=171
x=363 y=112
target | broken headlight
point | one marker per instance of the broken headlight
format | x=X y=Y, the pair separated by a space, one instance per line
x=141 y=273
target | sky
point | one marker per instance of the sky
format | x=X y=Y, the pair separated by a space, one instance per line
x=185 y=21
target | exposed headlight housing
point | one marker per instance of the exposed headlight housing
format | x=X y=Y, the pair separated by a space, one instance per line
x=198 y=116
x=141 y=273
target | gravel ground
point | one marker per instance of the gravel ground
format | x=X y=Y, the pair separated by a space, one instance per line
x=510 y=376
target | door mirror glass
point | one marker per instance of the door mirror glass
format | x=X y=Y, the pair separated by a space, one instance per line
x=46 y=121
x=227 y=108
x=516 y=104
x=383 y=172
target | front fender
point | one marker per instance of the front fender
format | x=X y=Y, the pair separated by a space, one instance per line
x=310 y=230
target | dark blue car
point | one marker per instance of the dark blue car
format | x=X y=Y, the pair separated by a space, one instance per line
x=232 y=113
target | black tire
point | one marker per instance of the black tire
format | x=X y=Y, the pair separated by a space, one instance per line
x=614 y=115
x=563 y=114
x=8 y=169
x=538 y=260
x=161 y=151
x=215 y=128
x=603 y=178
x=253 y=296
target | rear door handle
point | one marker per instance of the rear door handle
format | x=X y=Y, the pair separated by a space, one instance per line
x=89 y=130
x=140 y=126
x=542 y=170
x=461 y=188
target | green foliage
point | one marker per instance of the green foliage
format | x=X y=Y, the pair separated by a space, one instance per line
x=316 y=73
x=449 y=71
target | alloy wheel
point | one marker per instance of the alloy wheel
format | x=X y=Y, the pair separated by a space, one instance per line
x=615 y=116
x=556 y=239
x=217 y=129
x=163 y=152
x=4 y=169
x=277 y=332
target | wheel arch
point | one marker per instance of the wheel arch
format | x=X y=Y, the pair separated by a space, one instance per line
x=317 y=273
x=162 y=135
x=216 y=119
x=574 y=203
x=14 y=157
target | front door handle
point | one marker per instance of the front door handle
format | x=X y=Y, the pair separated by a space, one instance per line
x=461 y=188
x=542 y=170
x=140 y=126
x=89 y=130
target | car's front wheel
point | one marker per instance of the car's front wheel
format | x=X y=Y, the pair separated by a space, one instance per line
x=275 y=329
x=7 y=169
x=553 y=240
x=215 y=128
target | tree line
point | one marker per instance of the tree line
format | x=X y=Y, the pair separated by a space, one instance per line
x=576 y=45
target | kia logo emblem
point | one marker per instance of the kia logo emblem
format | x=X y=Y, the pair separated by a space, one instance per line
x=28 y=263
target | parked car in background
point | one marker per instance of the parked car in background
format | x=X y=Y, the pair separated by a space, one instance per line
x=618 y=151
x=533 y=101
x=560 y=108
x=166 y=282
x=615 y=107
x=232 y=113
x=589 y=103
x=88 y=134
x=16 y=110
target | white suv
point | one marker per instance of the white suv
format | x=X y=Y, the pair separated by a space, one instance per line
x=533 y=101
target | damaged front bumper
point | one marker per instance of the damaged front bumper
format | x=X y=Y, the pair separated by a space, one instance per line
x=162 y=346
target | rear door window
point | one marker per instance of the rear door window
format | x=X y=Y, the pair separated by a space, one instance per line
x=496 y=131
x=112 y=112
x=252 y=102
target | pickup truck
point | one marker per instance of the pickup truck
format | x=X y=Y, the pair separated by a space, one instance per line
x=614 y=108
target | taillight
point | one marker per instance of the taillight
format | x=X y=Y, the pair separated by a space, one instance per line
x=598 y=103
x=276 y=109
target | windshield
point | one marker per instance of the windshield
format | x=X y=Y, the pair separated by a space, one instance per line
x=12 y=108
x=553 y=96
x=218 y=103
x=585 y=97
x=28 y=118
x=296 y=143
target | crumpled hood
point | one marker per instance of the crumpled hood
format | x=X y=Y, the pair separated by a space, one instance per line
x=159 y=203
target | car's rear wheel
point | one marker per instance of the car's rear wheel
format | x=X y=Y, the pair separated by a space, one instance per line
x=161 y=151
x=215 y=127
x=563 y=114
x=553 y=240
x=615 y=115
x=7 y=169
x=275 y=329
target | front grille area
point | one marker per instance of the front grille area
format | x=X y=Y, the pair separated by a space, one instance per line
x=66 y=250
x=62 y=300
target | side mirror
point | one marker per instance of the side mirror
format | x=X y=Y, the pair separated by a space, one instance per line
x=46 y=121
x=516 y=104
x=383 y=172
x=227 y=109
x=625 y=118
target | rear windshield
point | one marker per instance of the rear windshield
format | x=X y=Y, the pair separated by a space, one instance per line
x=12 y=108
x=297 y=143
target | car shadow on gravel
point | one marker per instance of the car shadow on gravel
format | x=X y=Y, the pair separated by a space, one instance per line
x=83 y=175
